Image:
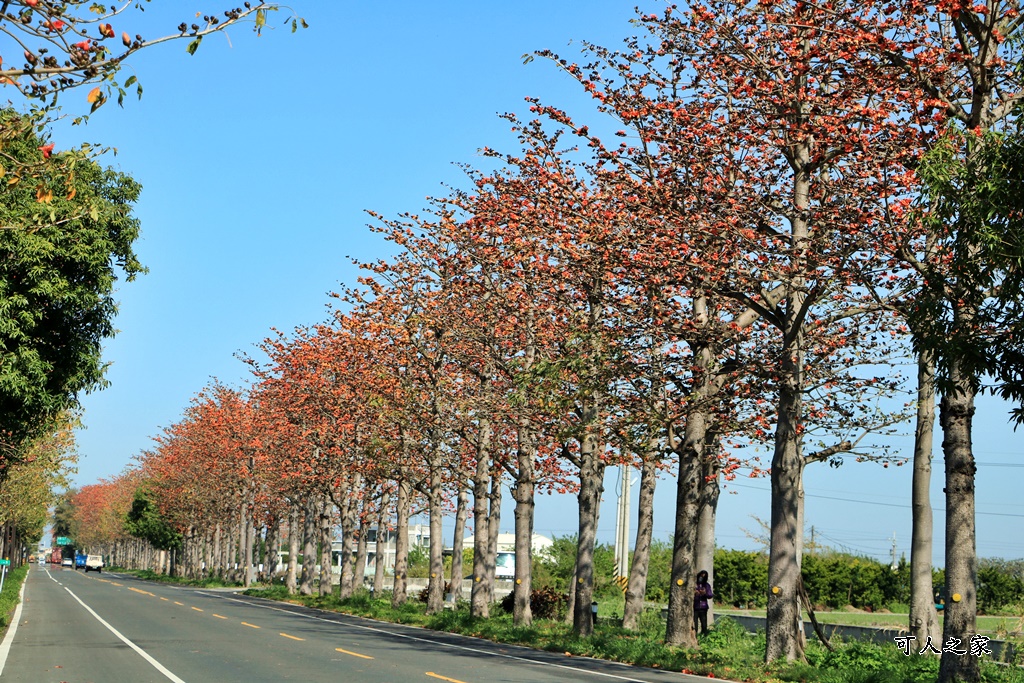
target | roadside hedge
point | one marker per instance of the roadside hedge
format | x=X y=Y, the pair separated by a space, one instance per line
x=833 y=579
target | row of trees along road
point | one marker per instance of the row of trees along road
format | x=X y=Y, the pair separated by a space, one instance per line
x=66 y=235
x=797 y=195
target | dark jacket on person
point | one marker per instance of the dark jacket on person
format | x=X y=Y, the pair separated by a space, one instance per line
x=701 y=595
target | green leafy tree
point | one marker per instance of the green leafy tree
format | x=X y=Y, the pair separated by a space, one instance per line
x=554 y=569
x=64 y=242
x=145 y=521
x=64 y=515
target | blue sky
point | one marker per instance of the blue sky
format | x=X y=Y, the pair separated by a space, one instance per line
x=258 y=158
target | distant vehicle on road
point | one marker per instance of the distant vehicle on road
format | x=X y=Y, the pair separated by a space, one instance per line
x=56 y=556
x=67 y=562
x=79 y=561
x=94 y=563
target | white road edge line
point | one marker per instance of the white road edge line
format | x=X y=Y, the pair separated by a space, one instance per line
x=5 y=647
x=142 y=653
x=434 y=642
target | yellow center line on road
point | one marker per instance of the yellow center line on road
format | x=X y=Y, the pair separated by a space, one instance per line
x=285 y=635
x=137 y=590
x=246 y=623
x=115 y=583
x=443 y=678
x=179 y=603
x=354 y=654
x=165 y=599
x=198 y=610
x=219 y=616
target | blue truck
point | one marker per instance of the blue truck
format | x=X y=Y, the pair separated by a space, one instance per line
x=80 y=561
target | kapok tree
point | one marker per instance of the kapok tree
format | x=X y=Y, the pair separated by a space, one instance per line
x=963 y=60
x=690 y=176
x=305 y=382
x=786 y=83
x=571 y=232
x=58 y=46
x=508 y=322
x=407 y=297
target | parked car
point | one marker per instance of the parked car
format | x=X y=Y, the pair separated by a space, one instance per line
x=94 y=563
x=67 y=562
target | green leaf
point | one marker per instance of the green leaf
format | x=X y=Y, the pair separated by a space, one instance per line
x=194 y=45
x=139 y=91
x=130 y=82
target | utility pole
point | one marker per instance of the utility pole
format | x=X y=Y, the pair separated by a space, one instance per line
x=895 y=565
x=622 y=524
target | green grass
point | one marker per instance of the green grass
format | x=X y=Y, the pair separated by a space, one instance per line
x=9 y=596
x=995 y=626
x=176 y=580
x=727 y=651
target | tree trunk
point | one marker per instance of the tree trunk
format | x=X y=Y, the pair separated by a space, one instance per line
x=591 y=487
x=435 y=586
x=359 y=570
x=479 y=602
x=379 y=556
x=493 y=529
x=216 y=565
x=679 y=626
x=523 y=494
x=636 y=589
x=273 y=545
x=783 y=640
x=310 y=531
x=924 y=619
x=956 y=414
x=349 y=507
x=326 y=515
x=398 y=594
x=249 y=533
x=293 y=548
x=710 y=493
x=458 y=537
x=689 y=487
x=232 y=554
x=783 y=614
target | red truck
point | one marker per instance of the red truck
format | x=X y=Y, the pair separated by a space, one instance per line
x=56 y=556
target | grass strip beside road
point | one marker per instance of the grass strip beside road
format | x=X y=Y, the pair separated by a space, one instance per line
x=9 y=595
x=993 y=626
x=727 y=651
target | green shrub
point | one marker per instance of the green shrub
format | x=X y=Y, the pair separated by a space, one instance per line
x=741 y=578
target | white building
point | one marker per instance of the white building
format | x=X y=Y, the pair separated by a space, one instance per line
x=382 y=546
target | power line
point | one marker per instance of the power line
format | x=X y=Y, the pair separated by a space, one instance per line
x=871 y=502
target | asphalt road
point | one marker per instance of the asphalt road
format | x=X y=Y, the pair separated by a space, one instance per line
x=105 y=628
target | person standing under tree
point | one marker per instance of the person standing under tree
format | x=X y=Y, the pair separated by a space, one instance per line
x=701 y=594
